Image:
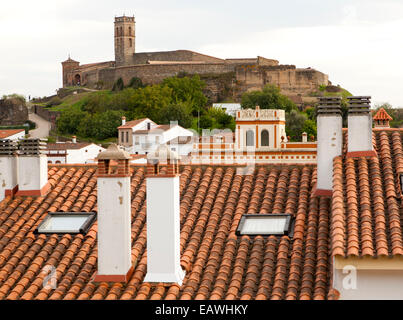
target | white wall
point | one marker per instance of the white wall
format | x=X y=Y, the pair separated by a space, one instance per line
x=114 y=217
x=83 y=155
x=370 y=285
x=8 y=174
x=359 y=132
x=163 y=230
x=329 y=146
x=32 y=172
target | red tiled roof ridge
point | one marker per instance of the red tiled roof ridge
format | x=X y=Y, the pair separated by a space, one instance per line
x=382 y=115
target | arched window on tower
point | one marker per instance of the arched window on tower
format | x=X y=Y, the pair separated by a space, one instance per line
x=130 y=31
x=121 y=31
x=130 y=42
x=116 y=31
x=264 y=138
x=250 y=138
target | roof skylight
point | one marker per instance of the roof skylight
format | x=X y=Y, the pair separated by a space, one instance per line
x=264 y=224
x=66 y=222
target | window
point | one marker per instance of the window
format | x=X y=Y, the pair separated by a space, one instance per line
x=264 y=138
x=127 y=136
x=157 y=139
x=130 y=43
x=264 y=224
x=66 y=222
x=130 y=32
x=250 y=138
x=137 y=140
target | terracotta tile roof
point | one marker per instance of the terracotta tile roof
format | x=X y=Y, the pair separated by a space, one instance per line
x=5 y=133
x=382 y=115
x=363 y=217
x=366 y=201
x=67 y=145
x=131 y=124
x=219 y=264
x=161 y=127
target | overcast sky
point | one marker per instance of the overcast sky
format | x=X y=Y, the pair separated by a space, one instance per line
x=358 y=43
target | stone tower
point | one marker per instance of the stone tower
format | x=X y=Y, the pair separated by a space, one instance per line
x=124 y=40
x=68 y=66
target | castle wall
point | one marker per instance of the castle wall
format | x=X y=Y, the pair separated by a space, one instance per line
x=177 y=55
x=151 y=74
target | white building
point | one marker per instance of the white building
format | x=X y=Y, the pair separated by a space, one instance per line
x=72 y=152
x=229 y=108
x=259 y=137
x=12 y=134
x=144 y=136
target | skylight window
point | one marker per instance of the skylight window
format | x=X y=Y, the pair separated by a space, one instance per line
x=66 y=222
x=264 y=224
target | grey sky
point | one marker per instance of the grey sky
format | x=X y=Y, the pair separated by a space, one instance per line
x=357 y=43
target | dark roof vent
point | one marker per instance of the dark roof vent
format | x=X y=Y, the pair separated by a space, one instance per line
x=8 y=147
x=329 y=105
x=359 y=104
x=30 y=147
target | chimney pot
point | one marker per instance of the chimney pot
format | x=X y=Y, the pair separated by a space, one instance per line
x=74 y=139
x=123 y=120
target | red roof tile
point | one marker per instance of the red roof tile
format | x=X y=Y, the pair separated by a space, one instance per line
x=382 y=115
x=366 y=200
x=5 y=133
x=219 y=264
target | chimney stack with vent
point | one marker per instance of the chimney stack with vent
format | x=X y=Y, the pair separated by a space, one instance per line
x=114 y=216
x=32 y=168
x=359 y=127
x=163 y=217
x=8 y=168
x=123 y=120
x=329 y=122
x=74 y=139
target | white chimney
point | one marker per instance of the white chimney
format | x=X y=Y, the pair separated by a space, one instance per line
x=359 y=127
x=304 y=137
x=123 y=120
x=114 y=216
x=74 y=139
x=32 y=168
x=329 y=128
x=163 y=218
x=8 y=168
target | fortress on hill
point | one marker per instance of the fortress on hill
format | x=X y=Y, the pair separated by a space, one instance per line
x=224 y=77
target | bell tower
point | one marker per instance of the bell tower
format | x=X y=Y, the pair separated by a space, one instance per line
x=124 y=40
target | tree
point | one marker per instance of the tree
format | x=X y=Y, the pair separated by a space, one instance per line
x=101 y=125
x=177 y=112
x=188 y=90
x=135 y=83
x=118 y=85
x=220 y=119
x=69 y=121
x=309 y=127
x=295 y=122
x=268 y=98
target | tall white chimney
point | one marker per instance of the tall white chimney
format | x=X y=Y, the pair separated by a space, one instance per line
x=329 y=128
x=163 y=217
x=123 y=120
x=32 y=168
x=359 y=127
x=114 y=216
x=8 y=168
x=74 y=139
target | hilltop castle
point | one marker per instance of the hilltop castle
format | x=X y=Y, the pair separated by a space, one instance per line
x=224 y=77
